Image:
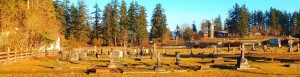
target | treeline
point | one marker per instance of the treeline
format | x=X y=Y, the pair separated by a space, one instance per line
x=27 y=24
x=241 y=22
x=272 y=22
x=118 y=25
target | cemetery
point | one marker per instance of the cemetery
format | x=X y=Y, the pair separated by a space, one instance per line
x=156 y=60
x=149 y=38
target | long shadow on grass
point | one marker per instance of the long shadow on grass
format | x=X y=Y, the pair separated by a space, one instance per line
x=264 y=73
x=223 y=67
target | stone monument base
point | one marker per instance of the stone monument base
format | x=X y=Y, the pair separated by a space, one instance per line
x=111 y=65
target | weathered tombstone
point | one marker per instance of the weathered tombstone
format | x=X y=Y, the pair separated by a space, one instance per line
x=215 y=48
x=63 y=56
x=177 y=59
x=125 y=54
x=242 y=62
x=298 y=47
x=146 y=51
x=114 y=58
x=73 y=57
x=228 y=48
x=57 y=64
x=164 y=52
x=83 y=56
x=290 y=41
x=191 y=50
x=153 y=56
x=102 y=51
x=253 y=47
x=265 y=48
x=120 y=53
x=158 y=66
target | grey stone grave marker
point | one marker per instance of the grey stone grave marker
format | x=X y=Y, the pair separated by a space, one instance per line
x=177 y=59
x=265 y=48
x=242 y=62
x=83 y=56
x=154 y=55
x=74 y=57
x=228 y=49
x=159 y=66
x=114 y=59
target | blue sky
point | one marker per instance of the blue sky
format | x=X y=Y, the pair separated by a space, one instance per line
x=186 y=11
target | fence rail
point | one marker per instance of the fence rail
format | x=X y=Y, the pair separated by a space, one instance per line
x=14 y=56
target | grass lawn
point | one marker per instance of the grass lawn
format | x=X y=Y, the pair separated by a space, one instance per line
x=43 y=66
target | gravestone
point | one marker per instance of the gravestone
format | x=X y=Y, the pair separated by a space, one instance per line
x=153 y=56
x=298 y=47
x=74 y=57
x=114 y=59
x=242 y=62
x=159 y=66
x=146 y=51
x=228 y=49
x=253 y=47
x=191 y=50
x=290 y=41
x=97 y=55
x=125 y=54
x=265 y=48
x=57 y=64
x=215 y=48
x=63 y=56
x=102 y=51
x=177 y=59
x=83 y=56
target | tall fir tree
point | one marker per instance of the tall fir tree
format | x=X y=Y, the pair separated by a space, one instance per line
x=158 y=23
x=124 y=23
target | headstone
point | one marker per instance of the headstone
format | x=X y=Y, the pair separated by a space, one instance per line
x=191 y=50
x=120 y=53
x=57 y=64
x=290 y=41
x=158 y=66
x=242 y=62
x=153 y=56
x=177 y=59
x=215 y=48
x=125 y=54
x=298 y=47
x=74 y=57
x=211 y=29
x=114 y=58
x=83 y=56
x=265 y=48
x=97 y=55
x=102 y=51
x=228 y=48
x=253 y=47
x=164 y=52
x=63 y=56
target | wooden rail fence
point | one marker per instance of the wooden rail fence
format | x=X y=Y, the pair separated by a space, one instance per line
x=14 y=56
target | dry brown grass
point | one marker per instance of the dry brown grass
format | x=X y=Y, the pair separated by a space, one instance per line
x=41 y=67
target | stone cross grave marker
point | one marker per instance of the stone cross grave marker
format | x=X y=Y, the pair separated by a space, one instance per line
x=153 y=56
x=242 y=61
x=177 y=59
x=158 y=66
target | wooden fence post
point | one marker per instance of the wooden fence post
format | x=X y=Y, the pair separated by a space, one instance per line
x=8 y=55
